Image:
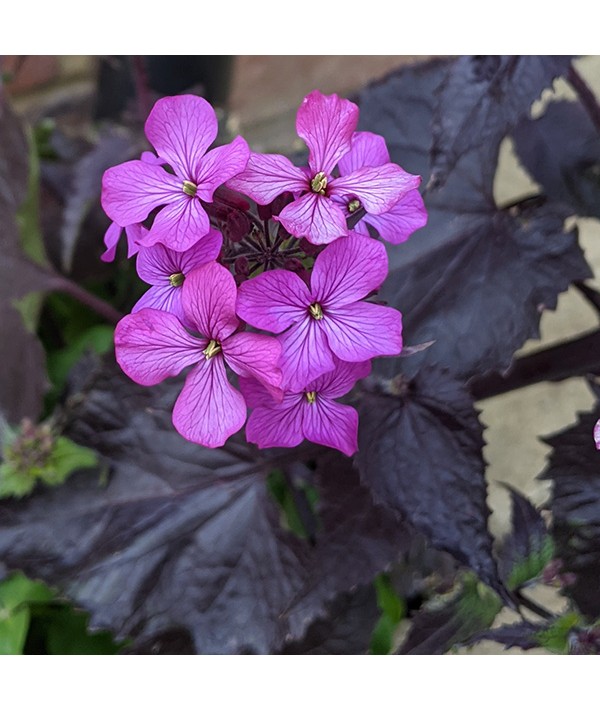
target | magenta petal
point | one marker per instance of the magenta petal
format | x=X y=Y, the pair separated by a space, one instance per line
x=164 y=298
x=597 y=434
x=181 y=128
x=209 y=295
x=221 y=164
x=367 y=150
x=130 y=191
x=153 y=345
x=252 y=355
x=326 y=123
x=209 y=409
x=273 y=424
x=273 y=300
x=179 y=225
x=305 y=354
x=341 y=379
x=362 y=331
x=378 y=188
x=111 y=241
x=398 y=224
x=331 y=424
x=315 y=217
x=267 y=176
x=348 y=270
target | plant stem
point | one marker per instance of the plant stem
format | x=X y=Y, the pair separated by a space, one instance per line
x=586 y=95
x=101 y=307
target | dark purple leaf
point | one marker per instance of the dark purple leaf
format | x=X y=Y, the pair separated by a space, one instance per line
x=521 y=634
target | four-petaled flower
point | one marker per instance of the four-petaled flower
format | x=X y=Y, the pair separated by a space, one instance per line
x=181 y=128
x=152 y=345
x=306 y=413
x=327 y=124
x=328 y=319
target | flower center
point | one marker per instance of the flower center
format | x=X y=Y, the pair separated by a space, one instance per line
x=176 y=279
x=311 y=397
x=212 y=349
x=353 y=205
x=319 y=183
x=189 y=188
x=316 y=311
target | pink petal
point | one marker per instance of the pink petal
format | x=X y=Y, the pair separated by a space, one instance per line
x=153 y=345
x=267 y=176
x=209 y=409
x=397 y=225
x=305 y=354
x=273 y=424
x=378 y=188
x=315 y=217
x=221 y=164
x=179 y=225
x=134 y=234
x=361 y=331
x=164 y=298
x=181 y=128
x=368 y=150
x=111 y=241
x=348 y=270
x=273 y=300
x=331 y=424
x=326 y=123
x=251 y=355
x=130 y=191
x=149 y=157
x=597 y=434
x=209 y=295
x=341 y=379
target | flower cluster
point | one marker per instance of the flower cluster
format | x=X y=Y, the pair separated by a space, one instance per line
x=278 y=296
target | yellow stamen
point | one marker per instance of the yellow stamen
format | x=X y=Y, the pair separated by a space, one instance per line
x=189 y=188
x=311 y=397
x=316 y=311
x=212 y=349
x=353 y=205
x=319 y=183
x=176 y=279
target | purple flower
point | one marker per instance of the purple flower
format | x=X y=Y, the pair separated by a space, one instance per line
x=180 y=128
x=327 y=124
x=152 y=345
x=306 y=413
x=402 y=219
x=166 y=271
x=113 y=235
x=328 y=319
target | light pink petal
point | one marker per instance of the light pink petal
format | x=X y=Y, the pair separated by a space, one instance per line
x=130 y=191
x=251 y=355
x=179 y=225
x=273 y=424
x=341 y=379
x=368 y=150
x=181 y=128
x=209 y=295
x=362 y=331
x=305 y=354
x=267 y=176
x=315 y=217
x=209 y=409
x=164 y=298
x=597 y=434
x=378 y=189
x=331 y=424
x=397 y=225
x=326 y=123
x=221 y=164
x=111 y=241
x=153 y=345
x=273 y=300
x=348 y=270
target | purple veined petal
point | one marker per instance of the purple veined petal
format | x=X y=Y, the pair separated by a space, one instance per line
x=206 y=250
x=378 y=188
x=252 y=355
x=398 y=224
x=326 y=124
x=178 y=225
x=348 y=269
x=111 y=241
x=149 y=157
x=341 y=379
x=274 y=300
x=164 y=298
x=221 y=164
x=315 y=217
x=209 y=295
x=209 y=409
x=130 y=191
x=328 y=423
x=597 y=434
x=272 y=424
x=367 y=150
x=134 y=233
x=267 y=176
x=181 y=128
x=305 y=354
x=360 y=228
x=361 y=331
x=153 y=345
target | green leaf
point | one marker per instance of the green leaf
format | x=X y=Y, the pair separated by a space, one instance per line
x=13 y=631
x=15 y=595
x=393 y=612
x=556 y=637
x=67 y=457
x=529 y=568
x=67 y=633
x=281 y=491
